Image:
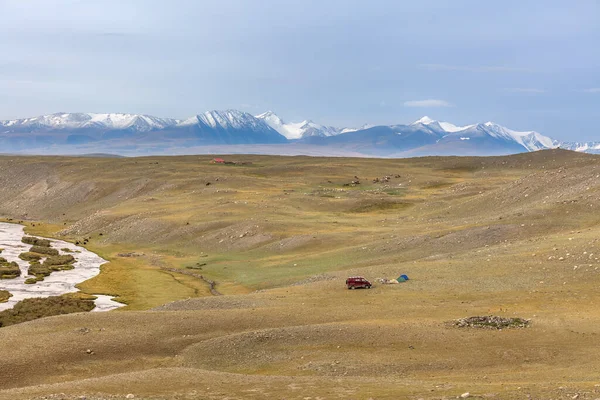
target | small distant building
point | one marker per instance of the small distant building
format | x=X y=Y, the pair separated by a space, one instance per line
x=218 y=161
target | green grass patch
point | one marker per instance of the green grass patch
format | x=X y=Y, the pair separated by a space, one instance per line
x=437 y=185
x=366 y=206
x=395 y=192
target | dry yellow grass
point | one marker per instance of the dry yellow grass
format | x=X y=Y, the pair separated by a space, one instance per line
x=509 y=236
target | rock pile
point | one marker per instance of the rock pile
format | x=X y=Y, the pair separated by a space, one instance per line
x=491 y=322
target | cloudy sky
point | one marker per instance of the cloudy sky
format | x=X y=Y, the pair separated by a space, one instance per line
x=528 y=65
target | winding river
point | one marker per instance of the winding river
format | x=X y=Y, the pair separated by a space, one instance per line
x=60 y=282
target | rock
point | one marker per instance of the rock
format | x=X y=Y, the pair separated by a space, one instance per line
x=130 y=396
x=465 y=395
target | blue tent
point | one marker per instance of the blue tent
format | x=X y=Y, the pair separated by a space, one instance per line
x=403 y=278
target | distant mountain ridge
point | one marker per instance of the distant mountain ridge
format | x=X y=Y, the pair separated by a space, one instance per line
x=144 y=134
x=582 y=147
x=298 y=130
x=127 y=130
x=90 y=120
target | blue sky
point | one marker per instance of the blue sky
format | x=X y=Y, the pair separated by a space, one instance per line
x=528 y=65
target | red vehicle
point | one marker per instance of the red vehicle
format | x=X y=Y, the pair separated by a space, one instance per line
x=357 y=282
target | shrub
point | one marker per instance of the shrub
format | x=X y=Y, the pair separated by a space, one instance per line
x=36 y=241
x=50 y=264
x=4 y=296
x=59 y=260
x=44 y=250
x=27 y=256
x=63 y=267
x=30 y=309
x=38 y=270
x=9 y=270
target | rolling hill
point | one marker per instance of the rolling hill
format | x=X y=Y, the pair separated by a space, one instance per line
x=510 y=236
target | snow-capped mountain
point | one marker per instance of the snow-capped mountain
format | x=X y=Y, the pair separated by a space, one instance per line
x=444 y=126
x=132 y=130
x=585 y=147
x=530 y=141
x=364 y=126
x=430 y=137
x=228 y=119
x=127 y=133
x=137 y=122
x=297 y=130
x=226 y=127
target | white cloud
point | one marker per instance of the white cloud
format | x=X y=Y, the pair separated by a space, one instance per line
x=525 y=90
x=427 y=103
x=445 y=67
x=592 y=90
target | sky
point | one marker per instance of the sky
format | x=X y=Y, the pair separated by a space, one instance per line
x=527 y=65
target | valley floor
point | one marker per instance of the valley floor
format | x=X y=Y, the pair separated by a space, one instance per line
x=510 y=236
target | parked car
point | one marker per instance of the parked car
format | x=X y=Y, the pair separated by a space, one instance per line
x=354 y=282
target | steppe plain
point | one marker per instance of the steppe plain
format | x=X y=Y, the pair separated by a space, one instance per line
x=507 y=236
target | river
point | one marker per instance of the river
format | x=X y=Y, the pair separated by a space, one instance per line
x=87 y=265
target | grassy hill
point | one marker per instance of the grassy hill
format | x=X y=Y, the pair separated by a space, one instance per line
x=510 y=236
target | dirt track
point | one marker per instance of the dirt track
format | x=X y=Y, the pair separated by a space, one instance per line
x=211 y=284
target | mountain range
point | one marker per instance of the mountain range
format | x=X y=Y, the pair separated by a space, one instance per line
x=236 y=131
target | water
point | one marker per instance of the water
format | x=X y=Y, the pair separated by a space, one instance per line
x=60 y=282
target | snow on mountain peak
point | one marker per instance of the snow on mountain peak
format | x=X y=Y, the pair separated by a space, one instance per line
x=296 y=130
x=227 y=119
x=268 y=114
x=530 y=140
x=425 y=121
x=446 y=126
x=272 y=120
x=63 y=120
